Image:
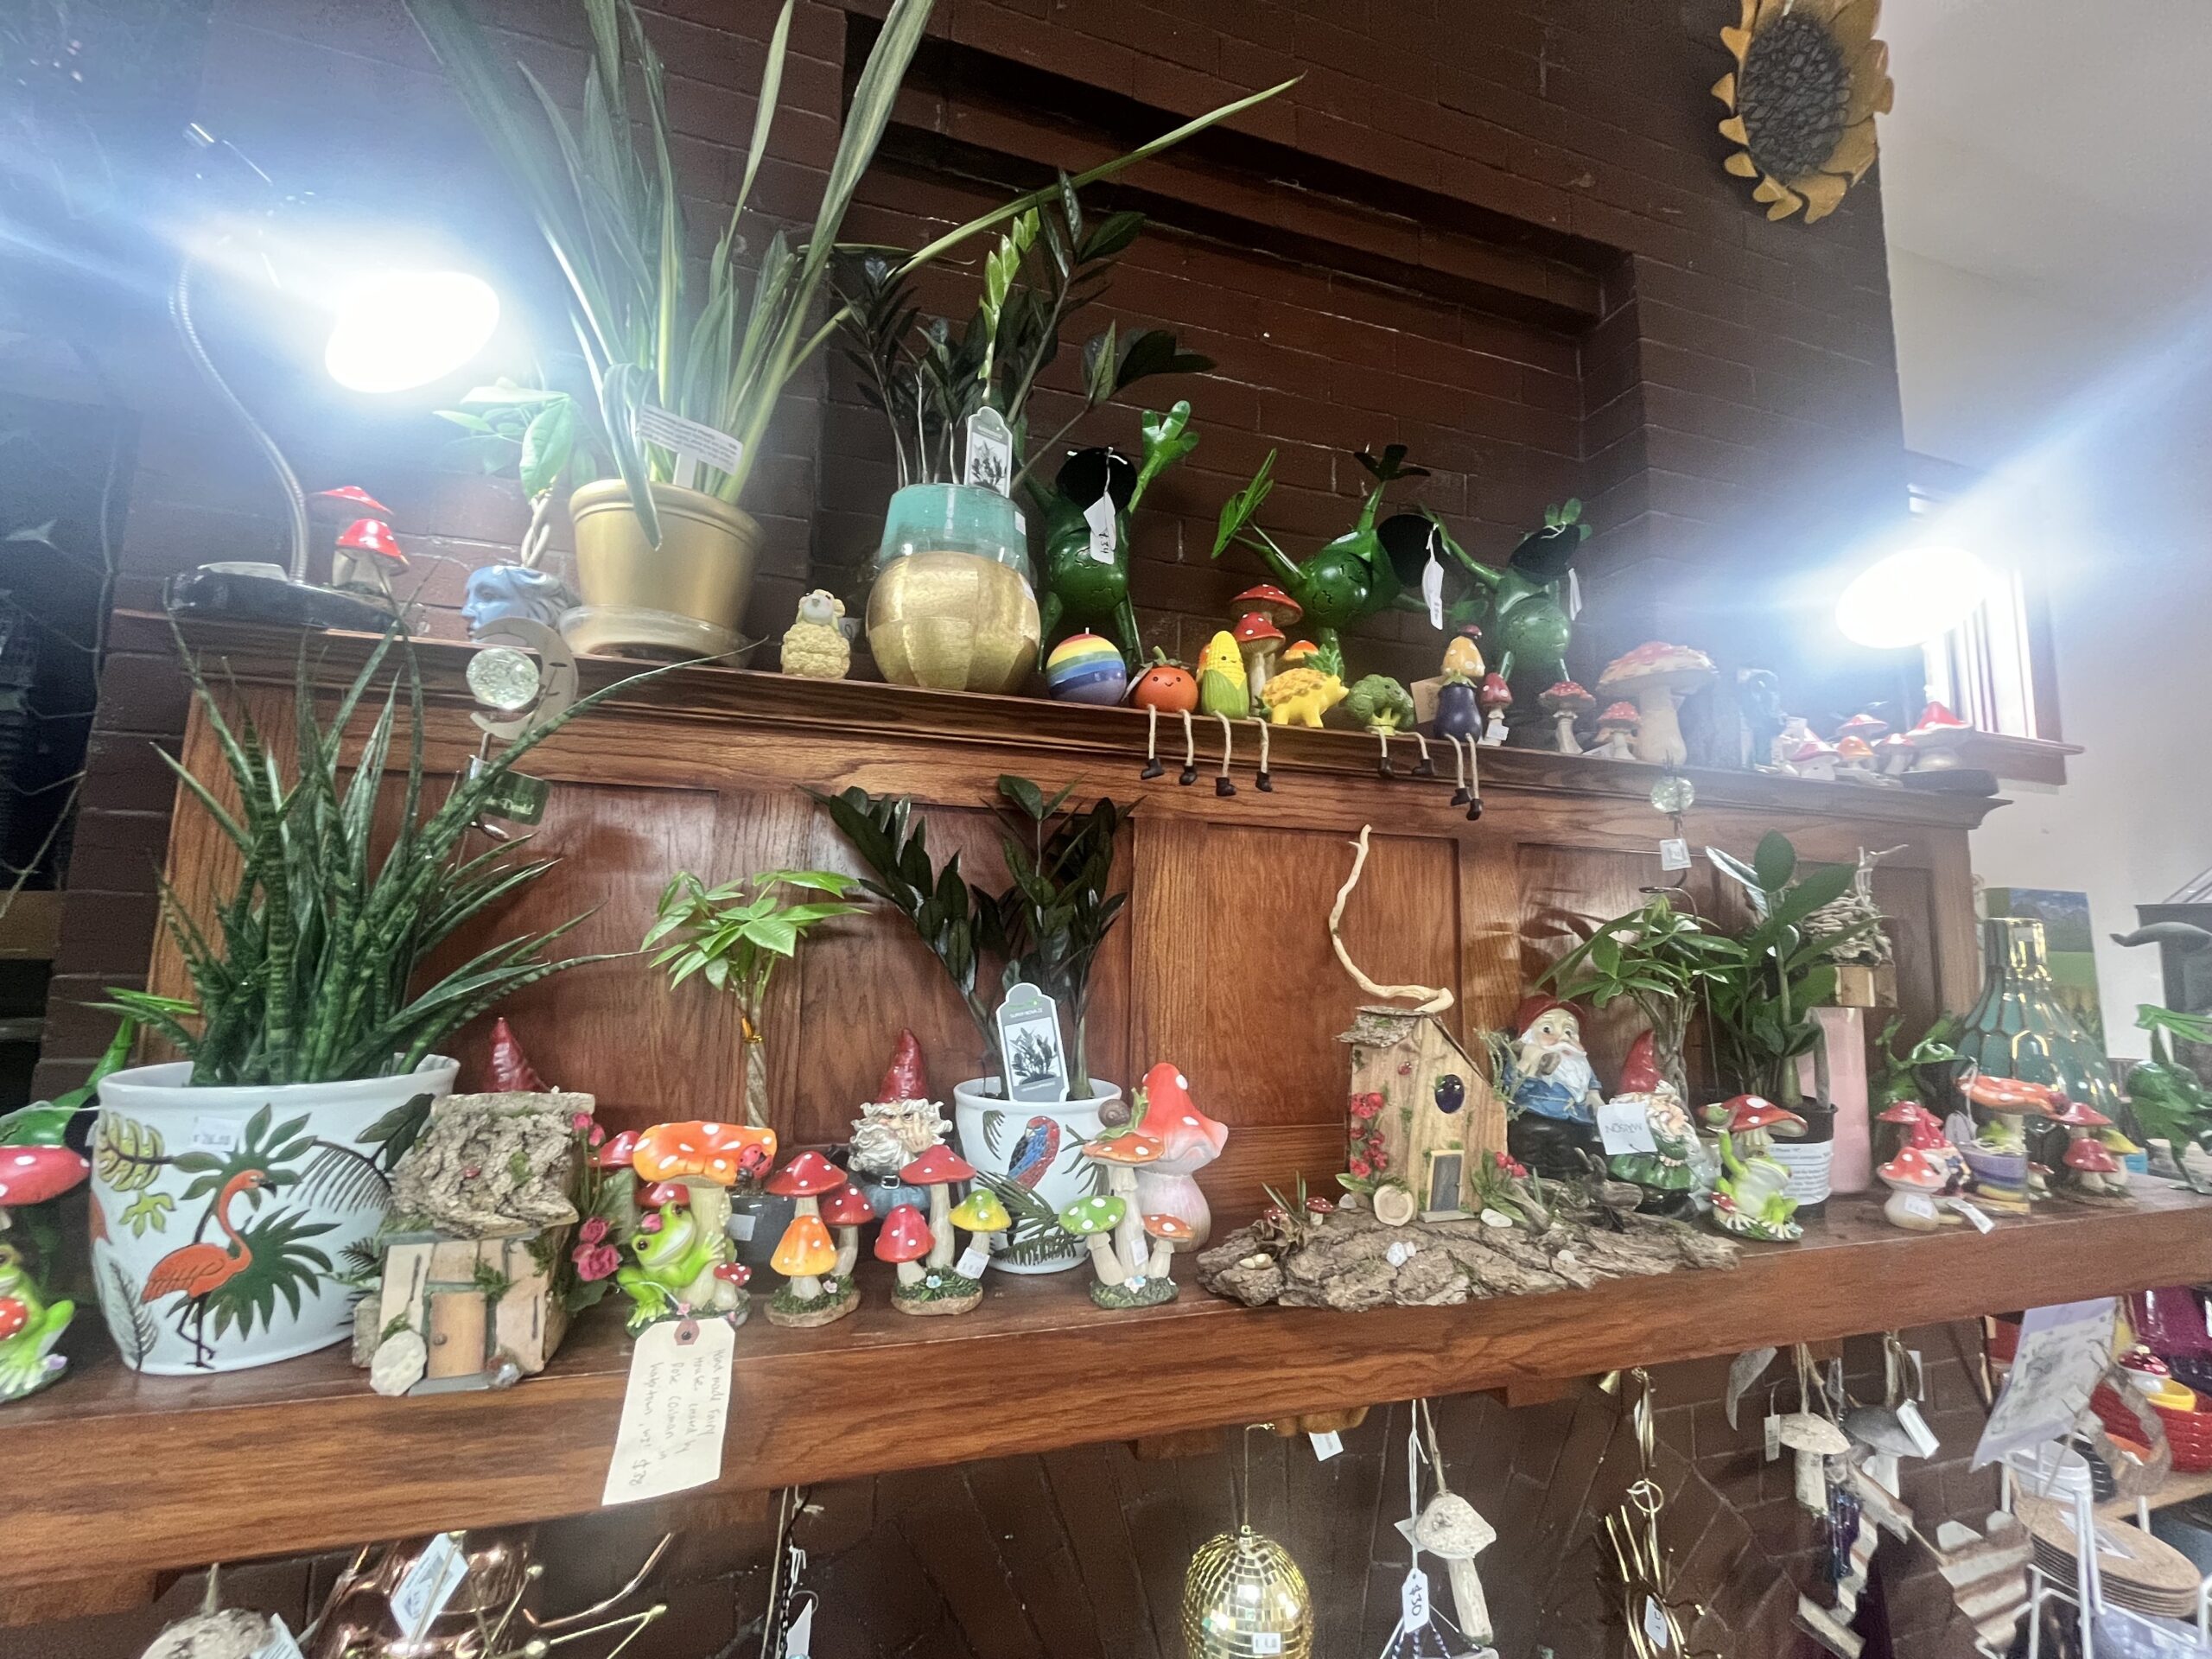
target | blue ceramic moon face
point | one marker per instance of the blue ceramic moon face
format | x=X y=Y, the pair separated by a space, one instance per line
x=1450 y=1093
x=497 y=592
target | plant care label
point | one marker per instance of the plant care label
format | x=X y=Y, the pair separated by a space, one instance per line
x=1099 y=515
x=1674 y=854
x=1623 y=1126
x=1326 y=1444
x=421 y=1595
x=1808 y=1169
x=1916 y=1429
x=972 y=1261
x=1654 y=1625
x=1029 y=1043
x=690 y=441
x=281 y=1643
x=2063 y=1353
x=1412 y=1599
x=673 y=1412
x=218 y=1134
x=990 y=453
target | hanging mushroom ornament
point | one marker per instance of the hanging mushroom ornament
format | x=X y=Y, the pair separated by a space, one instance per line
x=1566 y=703
x=1656 y=678
x=1815 y=1439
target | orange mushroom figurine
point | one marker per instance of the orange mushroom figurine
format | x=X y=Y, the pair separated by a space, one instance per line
x=804 y=1255
x=685 y=1262
x=1189 y=1140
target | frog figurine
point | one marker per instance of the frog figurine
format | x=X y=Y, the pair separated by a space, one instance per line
x=1081 y=589
x=1750 y=1199
x=30 y=1326
x=686 y=1264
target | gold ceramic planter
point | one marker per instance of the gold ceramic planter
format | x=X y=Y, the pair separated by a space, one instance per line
x=952 y=621
x=702 y=568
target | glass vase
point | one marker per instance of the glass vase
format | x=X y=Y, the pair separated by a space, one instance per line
x=2020 y=1029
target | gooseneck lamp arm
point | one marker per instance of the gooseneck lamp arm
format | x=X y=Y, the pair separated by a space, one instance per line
x=188 y=334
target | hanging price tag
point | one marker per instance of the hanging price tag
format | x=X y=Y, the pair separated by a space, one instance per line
x=972 y=1261
x=1412 y=1599
x=1982 y=1222
x=1099 y=515
x=1773 y=1437
x=673 y=1412
x=1266 y=1643
x=1432 y=584
x=280 y=1643
x=421 y=1595
x=216 y=1134
x=1917 y=1430
x=1655 y=1625
x=1326 y=1444
x=690 y=442
x=1623 y=1126
x=1674 y=854
x=990 y=451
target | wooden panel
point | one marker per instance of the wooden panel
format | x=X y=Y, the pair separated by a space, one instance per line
x=331 y=1462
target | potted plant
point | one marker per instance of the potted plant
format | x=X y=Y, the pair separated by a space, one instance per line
x=1044 y=929
x=952 y=605
x=715 y=349
x=1763 y=994
x=733 y=936
x=1657 y=957
x=234 y=1188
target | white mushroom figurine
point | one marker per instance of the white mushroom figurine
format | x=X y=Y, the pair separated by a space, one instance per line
x=1815 y=1439
x=1656 y=678
x=1454 y=1531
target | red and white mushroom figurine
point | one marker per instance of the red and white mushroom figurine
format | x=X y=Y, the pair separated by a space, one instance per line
x=1566 y=703
x=1814 y=759
x=1189 y=1140
x=1936 y=739
x=368 y=556
x=31 y=1175
x=1914 y=1179
x=1259 y=642
x=1864 y=726
x=848 y=1211
x=903 y=1241
x=1657 y=676
x=1167 y=1232
x=354 y=501
x=618 y=1151
x=1495 y=698
x=938 y=1169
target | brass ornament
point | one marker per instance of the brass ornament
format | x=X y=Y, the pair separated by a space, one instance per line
x=1243 y=1597
x=1810 y=79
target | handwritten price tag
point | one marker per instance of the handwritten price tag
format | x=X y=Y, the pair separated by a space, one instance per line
x=674 y=1411
x=1099 y=515
x=429 y=1584
x=1623 y=1126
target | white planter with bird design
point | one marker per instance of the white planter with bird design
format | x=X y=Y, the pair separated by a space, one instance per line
x=227 y=1221
x=1030 y=1152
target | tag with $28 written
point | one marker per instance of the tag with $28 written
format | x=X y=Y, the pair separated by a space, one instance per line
x=674 y=1411
x=1099 y=515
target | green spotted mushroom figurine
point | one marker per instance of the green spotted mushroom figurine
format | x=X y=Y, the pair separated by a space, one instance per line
x=1130 y=1252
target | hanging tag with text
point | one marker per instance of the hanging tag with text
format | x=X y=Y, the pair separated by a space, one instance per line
x=690 y=442
x=1624 y=1126
x=1326 y=1444
x=1773 y=1437
x=1674 y=854
x=673 y=1412
x=1099 y=515
x=1982 y=1222
x=280 y=1643
x=1412 y=1599
x=428 y=1585
x=972 y=1261
x=1917 y=1430
x=1655 y=1625
x=990 y=453
x=1432 y=583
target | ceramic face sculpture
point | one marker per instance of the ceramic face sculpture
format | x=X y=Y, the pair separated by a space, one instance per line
x=497 y=592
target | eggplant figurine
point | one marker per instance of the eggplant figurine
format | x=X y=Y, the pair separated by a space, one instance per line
x=1458 y=714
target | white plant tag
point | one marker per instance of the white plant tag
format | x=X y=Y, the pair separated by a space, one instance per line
x=691 y=442
x=1982 y=1222
x=1917 y=1430
x=798 y=1636
x=973 y=1261
x=1623 y=1126
x=1029 y=1041
x=673 y=1412
x=281 y=1644
x=1412 y=1599
x=1326 y=1444
x=1674 y=854
x=1099 y=515
x=739 y=1225
x=990 y=451
x=1432 y=586
x=1266 y=1643
x=1882 y=1470
x=218 y=1135
x=429 y=1584
x=1655 y=1625
x=1773 y=1437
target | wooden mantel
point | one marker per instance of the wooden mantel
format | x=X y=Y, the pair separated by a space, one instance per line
x=115 y=1471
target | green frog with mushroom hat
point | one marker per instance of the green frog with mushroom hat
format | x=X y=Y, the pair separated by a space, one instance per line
x=1750 y=1198
x=684 y=1262
x=29 y=1327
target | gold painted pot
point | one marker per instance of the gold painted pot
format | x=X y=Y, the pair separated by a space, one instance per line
x=702 y=568
x=952 y=607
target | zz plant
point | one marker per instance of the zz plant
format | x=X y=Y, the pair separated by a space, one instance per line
x=307 y=970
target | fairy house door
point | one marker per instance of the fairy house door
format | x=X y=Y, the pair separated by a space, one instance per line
x=1423 y=1115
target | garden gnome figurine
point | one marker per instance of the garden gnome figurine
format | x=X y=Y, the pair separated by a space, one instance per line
x=1551 y=1093
x=1668 y=1172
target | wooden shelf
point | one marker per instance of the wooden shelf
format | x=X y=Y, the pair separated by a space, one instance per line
x=117 y=1471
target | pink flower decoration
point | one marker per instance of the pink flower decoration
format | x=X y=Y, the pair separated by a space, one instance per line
x=593 y=1231
x=1361 y=1168
x=596 y=1261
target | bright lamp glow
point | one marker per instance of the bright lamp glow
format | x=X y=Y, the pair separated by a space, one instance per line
x=1909 y=597
x=397 y=332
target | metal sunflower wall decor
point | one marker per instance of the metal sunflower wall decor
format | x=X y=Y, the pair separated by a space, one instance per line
x=1810 y=79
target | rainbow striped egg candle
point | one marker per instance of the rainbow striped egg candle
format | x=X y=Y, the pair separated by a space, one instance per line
x=1085 y=667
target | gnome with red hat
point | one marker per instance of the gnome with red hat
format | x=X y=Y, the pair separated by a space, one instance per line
x=1667 y=1169
x=1551 y=1094
x=897 y=1127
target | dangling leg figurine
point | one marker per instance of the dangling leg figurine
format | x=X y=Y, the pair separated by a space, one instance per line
x=1474 y=786
x=1382 y=767
x=1152 y=766
x=1223 y=785
x=1190 y=773
x=1424 y=767
x=1267 y=784
x=1459 y=796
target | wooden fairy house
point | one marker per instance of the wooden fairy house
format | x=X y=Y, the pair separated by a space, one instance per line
x=468 y=1296
x=1421 y=1117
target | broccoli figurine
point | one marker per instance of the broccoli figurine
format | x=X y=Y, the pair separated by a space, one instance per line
x=1384 y=706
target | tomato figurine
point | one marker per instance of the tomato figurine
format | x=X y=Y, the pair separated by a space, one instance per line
x=1167 y=686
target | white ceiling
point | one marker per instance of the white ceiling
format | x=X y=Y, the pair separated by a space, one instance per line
x=2058 y=147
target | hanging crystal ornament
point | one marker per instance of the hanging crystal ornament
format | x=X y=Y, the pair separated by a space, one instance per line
x=522 y=692
x=1244 y=1597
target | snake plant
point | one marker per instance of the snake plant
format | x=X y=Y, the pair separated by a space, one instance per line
x=606 y=200
x=305 y=970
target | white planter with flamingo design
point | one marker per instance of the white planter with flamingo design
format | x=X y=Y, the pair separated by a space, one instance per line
x=1030 y=1152
x=227 y=1220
